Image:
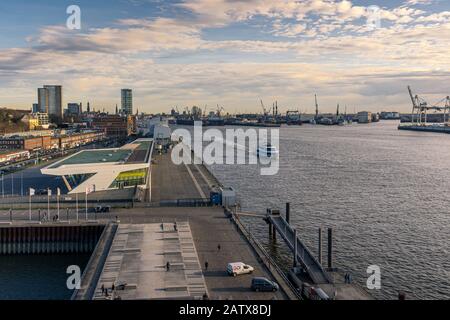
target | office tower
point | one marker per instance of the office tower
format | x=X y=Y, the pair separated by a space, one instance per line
x=127 y=101
x=54 y=100
x=74 y=109
x=35 y=108
x=50 y=100
x=43 y=100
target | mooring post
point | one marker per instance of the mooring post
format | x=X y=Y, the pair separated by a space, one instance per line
x=330 y=248
x=320 y=246
x=295 y=248
x=288 y=212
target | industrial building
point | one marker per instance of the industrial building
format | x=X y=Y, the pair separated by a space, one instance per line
x=364 y=117
x=48 y=140
x=115 y=125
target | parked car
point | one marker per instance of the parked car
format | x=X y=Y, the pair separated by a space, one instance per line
x=264 y=284
x=237 y=268
x=42 y=192
x=99 y=209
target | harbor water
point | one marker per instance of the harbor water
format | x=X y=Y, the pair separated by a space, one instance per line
x=385 y=193
x=37 y=277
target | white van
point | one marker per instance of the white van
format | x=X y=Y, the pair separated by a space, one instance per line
x=237 y=268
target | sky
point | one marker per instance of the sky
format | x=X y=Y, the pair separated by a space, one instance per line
x=231 y=53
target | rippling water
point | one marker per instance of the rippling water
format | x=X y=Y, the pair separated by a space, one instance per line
x=384 y=191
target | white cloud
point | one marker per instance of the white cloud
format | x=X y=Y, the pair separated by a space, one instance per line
x=334 y=52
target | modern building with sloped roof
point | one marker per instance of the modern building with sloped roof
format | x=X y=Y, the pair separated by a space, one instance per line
x=105 y=169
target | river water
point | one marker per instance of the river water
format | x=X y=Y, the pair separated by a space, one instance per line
x=384 y=192
x=37 y=277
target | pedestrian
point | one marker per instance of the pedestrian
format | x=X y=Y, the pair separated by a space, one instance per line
x=113 y=287
x=167 y=266
x=218 y=247
x=206 y=265
x=103 y=289
x=175 y=226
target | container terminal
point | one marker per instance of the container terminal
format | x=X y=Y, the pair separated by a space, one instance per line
x=156 y=230
x=422 y=120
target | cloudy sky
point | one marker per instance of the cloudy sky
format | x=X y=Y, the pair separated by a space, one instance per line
x=228 y=52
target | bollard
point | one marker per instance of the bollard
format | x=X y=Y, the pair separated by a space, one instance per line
x=320 y=246
x=288 y=212
x=330 y=248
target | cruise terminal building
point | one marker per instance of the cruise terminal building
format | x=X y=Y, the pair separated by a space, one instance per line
x=105 y=169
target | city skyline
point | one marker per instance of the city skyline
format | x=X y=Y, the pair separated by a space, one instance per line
x=231 y=53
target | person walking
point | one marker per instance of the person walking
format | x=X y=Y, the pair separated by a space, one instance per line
x=103 y=289
x=206 y=265
x=167 y=266
x=218 y=247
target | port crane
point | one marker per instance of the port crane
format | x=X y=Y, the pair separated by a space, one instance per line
x=219 y=110
x=317 y=108
x=421 y=107
x=265 y=111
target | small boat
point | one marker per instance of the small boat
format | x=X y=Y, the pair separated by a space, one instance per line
x=267 y=151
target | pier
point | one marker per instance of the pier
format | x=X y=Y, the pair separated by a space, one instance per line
x=302 y=254
x=171 y=243
x=426 y=128
x=307 y=272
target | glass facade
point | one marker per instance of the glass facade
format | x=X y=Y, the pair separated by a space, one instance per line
x=129 y=179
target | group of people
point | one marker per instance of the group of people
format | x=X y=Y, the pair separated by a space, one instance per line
x=348 y=278
x=105 y=291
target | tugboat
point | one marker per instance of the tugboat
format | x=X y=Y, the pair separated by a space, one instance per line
x=267 y=151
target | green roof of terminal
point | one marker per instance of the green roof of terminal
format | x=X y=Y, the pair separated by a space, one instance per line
x=107 y=155
x=96 y=156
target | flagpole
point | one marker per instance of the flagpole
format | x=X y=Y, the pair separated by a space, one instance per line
x=30 y=205
x=76 y=197
x=48 y=203
x=58 y=193
x=86 y=204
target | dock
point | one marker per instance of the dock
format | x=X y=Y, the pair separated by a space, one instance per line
x=176 y=244
x=303 y=254
x=146 y=240
x=425 y=128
